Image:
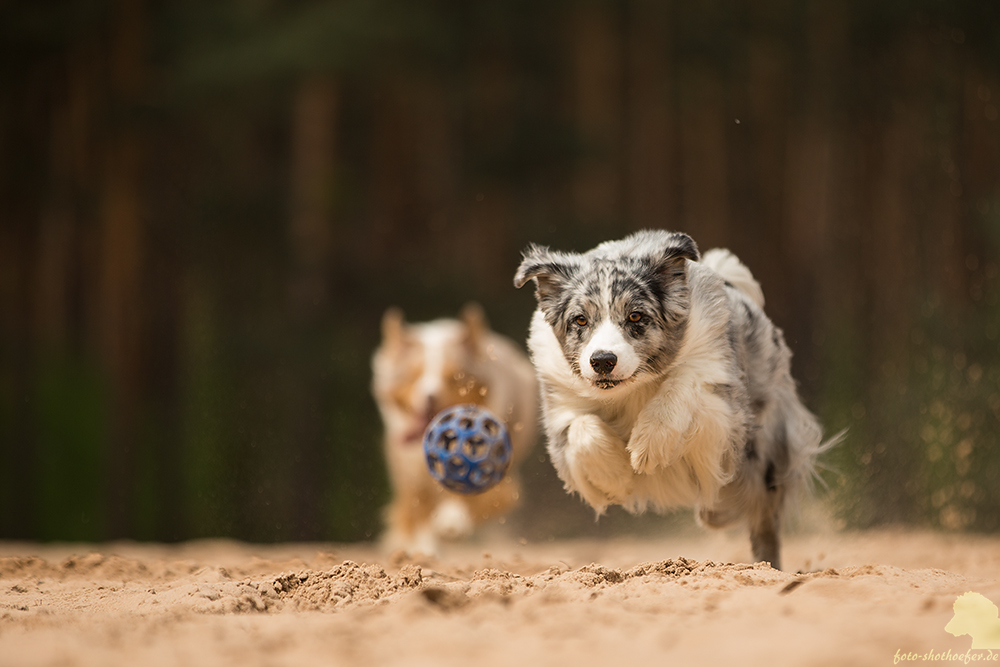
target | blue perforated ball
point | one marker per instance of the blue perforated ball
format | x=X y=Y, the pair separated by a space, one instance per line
x=467 y=448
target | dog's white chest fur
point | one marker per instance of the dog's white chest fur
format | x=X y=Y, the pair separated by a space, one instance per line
x=668 y=441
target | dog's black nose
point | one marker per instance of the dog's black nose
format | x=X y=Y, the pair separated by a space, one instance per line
x=603 y=362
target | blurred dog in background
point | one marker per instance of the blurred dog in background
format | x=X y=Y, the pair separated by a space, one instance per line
x=421 y=369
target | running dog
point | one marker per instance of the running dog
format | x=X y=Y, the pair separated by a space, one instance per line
x=664 y=384
x=421 y=369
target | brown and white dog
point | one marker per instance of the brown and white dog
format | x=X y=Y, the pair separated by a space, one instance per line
x=421 y=369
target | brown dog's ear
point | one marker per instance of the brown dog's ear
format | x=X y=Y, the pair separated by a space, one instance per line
x=476 y=326
x=393 y=322
x=550 y=271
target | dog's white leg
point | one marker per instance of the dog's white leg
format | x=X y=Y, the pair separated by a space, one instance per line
x=424 y=542
x=662 y=428
x=451 y=519
x=598 y=462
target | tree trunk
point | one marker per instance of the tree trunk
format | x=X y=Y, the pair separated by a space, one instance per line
x=121 y=252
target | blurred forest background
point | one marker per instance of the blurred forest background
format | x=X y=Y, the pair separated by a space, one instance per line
x=206 y=207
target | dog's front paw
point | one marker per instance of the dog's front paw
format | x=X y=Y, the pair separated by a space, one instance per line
x=654 y=444
x=598 y=463
x=639 y=458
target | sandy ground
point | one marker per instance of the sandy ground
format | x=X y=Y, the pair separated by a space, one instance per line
x=848 y=599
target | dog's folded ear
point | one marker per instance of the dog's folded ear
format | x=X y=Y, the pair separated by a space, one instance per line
x=537 y=262
x=678 y=247
x=550 y=271
x=680 y=244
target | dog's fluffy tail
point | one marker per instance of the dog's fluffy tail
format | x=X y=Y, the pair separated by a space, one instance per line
x=735 y=272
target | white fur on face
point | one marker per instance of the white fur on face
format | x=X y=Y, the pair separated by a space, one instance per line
x=609 y=338
x=435 y=339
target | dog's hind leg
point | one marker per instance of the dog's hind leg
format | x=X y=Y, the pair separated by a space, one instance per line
x=765 y=520
x=744 y=500
x=765 y=541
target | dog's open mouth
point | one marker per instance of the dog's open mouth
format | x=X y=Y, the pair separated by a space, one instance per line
x=415 y=435
x=606 y=383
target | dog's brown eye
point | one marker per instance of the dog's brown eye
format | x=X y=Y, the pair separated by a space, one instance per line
x=635 y=317
x=581 y=321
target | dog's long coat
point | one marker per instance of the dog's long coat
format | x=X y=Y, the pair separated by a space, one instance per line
x=420 y=369
x=664 y=384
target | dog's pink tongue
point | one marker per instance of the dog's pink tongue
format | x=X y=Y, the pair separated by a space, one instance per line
x=416 y=434
x=420 y=424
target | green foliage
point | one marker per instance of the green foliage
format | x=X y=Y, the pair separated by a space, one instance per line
x=924 y=430
x=70 y=408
